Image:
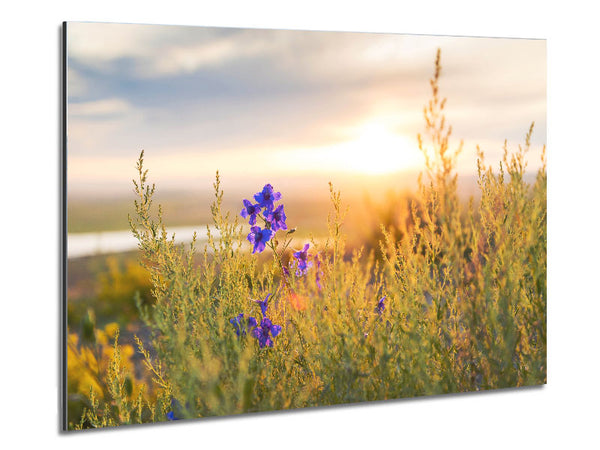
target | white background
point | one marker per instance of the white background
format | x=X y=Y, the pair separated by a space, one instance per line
x=564 y=412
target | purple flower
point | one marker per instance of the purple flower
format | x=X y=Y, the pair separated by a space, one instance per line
x=277 y=219
x=302 y=259
x=380 y=305
x=264 y=331
x=266 y=197
x=263 y=304
x=319 y=272
x=238 y=324
x=251 y=211
x=176 y=406
x=259 y=237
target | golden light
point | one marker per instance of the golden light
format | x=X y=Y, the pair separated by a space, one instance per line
x=371 y=149
x=377 y=150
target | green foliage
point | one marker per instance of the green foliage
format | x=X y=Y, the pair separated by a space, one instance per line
x=118 y=286
x=101 y=370
x=124 y=400
x=106 y=285
x=465 y=306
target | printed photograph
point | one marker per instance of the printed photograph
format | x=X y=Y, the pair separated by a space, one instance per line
x=262 y=220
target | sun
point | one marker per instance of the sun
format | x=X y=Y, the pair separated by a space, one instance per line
x=371 y=148
x=377 y=150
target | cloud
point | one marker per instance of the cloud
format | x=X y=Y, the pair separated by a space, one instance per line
x=107 y=108
x=100 y=45
x=243 y=93
x=77 y=83
x=102 y=127
x=160 y=50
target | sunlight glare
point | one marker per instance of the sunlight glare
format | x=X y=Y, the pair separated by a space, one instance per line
x=377 y=150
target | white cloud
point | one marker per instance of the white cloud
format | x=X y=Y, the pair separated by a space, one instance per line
x=189 y=59
x=159 y=50
x=102 y=42
x=102 y=126
x=108 y=108
x=77 y=84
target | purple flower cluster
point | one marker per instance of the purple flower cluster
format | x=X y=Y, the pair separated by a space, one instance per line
x=274 y=217
x=302 y=262
x=263 y=332
x=266 y=197
x=277 y=219
x=259 y=238
x=241 y=325
x=251 y=211
x=380 y=305
x=175 y=406
x=318 y=273
x=263 y=304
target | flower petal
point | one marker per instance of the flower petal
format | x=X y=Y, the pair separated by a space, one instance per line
x=275 y=330
x=266 y=234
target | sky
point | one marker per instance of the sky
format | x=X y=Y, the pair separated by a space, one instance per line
x=285 y=105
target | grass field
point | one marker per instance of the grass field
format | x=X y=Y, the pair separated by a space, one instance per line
x=418 y=293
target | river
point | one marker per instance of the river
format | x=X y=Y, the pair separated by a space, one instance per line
x=103 y=242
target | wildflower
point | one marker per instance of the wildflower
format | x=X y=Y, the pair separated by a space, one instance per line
x=263 y=305
x=171 y=416
x=380 y=305
x=251 y=211
x=277 y=219
x=238 y=325
x=259 y=237
x=236 y=322
x=264 y=331
x=175 y=405
x=303 y=265
x=319 y=272
x=266 y=197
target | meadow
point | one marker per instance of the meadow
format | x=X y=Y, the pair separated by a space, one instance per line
x=434 y=295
